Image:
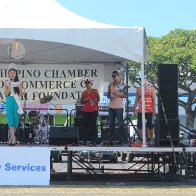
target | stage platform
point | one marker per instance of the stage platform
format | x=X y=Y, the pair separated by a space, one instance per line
x=130 y=149
x=147 y=163
x=176 y=163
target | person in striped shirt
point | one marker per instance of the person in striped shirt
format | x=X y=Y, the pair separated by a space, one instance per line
x=150 y=110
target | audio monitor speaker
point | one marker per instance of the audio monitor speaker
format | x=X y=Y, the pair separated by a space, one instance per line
x=63 y=135
x=105 y=134
x=168 y=77
x=162 y=130
x=168 y=104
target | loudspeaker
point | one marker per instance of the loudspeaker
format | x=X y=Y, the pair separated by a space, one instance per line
x=105 y=134
x=63 y=135
x=78 y=122
x=168 y=77
x=162 y=130
x=3 y=133
x=168 y=104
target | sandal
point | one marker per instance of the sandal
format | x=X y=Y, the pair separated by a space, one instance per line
x=12 y=141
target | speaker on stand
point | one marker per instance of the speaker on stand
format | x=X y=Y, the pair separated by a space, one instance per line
x=169 y=99
x=168 y=77
x=167 y=123
x=78 y=120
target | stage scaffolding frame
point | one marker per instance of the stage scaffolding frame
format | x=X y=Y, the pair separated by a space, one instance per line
x=160 y=163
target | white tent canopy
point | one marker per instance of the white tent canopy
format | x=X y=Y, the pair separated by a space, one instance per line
x=50 y=33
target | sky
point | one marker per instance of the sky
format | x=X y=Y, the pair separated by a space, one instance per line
x=157 y=16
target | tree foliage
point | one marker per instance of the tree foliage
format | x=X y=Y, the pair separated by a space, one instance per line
x=177 y=47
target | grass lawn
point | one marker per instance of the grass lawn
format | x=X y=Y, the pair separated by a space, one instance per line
x=3 y=119
x=58 y=119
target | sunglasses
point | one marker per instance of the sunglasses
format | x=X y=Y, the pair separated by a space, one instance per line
x=114 y=76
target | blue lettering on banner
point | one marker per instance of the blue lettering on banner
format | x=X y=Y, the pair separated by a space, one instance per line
x=25 y=168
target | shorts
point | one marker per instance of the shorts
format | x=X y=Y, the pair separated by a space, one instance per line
x=148 y=117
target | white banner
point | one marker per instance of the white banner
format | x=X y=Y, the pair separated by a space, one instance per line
x=64 y=82
x=25 y=166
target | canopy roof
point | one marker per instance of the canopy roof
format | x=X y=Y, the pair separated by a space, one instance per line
x=45 y=32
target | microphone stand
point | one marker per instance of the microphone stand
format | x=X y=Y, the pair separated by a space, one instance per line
x=25 y=118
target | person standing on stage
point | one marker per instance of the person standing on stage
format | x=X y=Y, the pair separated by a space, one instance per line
x=90 y=98
x=116 y=93
x=13 y=89
x=150 y=110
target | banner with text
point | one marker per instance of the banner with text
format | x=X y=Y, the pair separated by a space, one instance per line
x=65 y=83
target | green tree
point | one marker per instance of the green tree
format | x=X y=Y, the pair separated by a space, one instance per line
x=177 y=47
